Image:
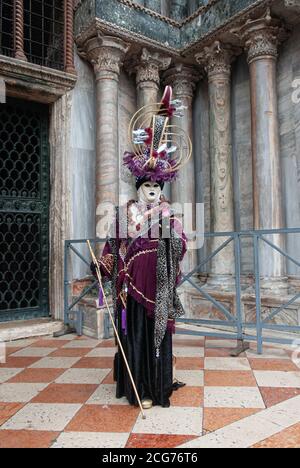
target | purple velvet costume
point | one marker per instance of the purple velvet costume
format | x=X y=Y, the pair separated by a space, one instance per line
x=135 y=267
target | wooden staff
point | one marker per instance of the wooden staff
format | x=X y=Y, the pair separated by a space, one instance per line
x=114 y=327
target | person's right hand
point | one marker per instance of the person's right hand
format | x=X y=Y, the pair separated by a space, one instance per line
x=93 y=269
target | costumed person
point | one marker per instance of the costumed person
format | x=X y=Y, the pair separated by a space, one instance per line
x=142 y=258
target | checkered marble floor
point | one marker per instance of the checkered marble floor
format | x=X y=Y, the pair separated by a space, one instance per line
x=60 y=393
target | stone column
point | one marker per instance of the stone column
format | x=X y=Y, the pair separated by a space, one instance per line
x=183 y=79
x=148 y=68
x=69 y=37
x=106 y=55
x=261 y=39
x=217 y=61
x=19 y=30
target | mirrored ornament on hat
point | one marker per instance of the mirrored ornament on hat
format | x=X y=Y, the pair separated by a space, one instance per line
x=160 y=150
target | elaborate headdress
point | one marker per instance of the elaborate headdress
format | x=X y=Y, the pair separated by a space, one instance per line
x=158 y=150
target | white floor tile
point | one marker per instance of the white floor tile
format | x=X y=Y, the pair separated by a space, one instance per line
x=35 y=352
x=83 y=376
x=106 y=395
x=102 y=352
x=275 y=353
x=190 y=378
x=277 y=379
x=55 y=363
x=91 y=440
x=175 y=420
x=42 y=417
x=252 y=430
x=6 y=374
x=233 y=397
x=221 y=344
x=188 y=352
x=20 y=343
x=20 y=392
x=82 y=344
x=222 y=364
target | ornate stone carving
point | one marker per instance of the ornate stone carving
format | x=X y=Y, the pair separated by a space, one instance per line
x=217 y=59
x=221 y=147
x=183 y=80
x=105 y=53
x=149 y=66
x=46 y=84
x=262 y=37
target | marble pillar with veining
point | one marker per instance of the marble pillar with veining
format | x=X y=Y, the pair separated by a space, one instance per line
x=261 y=39
x=106 y=55
x=183 y=79
x=217 y=62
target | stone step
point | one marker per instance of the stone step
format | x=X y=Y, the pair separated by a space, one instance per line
x=10 y=331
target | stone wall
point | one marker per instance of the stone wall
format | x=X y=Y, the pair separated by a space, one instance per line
x=83 y=150
x=82 y=153
x=127 y=107
x=289 y=114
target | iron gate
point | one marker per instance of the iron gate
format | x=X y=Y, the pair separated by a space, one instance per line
x=24 y=207
x=234 y=319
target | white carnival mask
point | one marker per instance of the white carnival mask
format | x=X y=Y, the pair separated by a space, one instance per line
x=150 y=193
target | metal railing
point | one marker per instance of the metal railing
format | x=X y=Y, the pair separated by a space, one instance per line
x=234 y=319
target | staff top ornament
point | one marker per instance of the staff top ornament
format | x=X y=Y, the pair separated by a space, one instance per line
x=162 y=148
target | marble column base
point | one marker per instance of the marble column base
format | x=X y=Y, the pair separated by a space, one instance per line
x=278 y=285
x=221 y=282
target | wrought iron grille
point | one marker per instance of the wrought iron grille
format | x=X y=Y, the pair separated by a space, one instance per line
x=20 y=138
x=24 y=204
x=20 y=268
x=44 y=32
x=6 y=27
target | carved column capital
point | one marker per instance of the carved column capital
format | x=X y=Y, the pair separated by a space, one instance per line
x=148 y=67
x=183 y=79
x=262 y=36
x=217 y=59
x=106 y=54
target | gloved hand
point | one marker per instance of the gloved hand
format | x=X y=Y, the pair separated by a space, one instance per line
x=93 y=269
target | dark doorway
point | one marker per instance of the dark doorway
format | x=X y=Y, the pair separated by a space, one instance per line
x=24 y=210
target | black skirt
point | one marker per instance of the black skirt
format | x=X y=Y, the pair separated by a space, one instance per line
x=153 y=376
